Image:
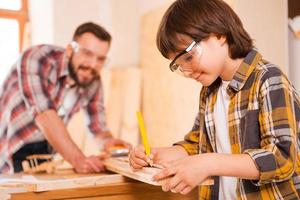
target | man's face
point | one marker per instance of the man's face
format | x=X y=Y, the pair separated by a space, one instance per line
x=87 y=59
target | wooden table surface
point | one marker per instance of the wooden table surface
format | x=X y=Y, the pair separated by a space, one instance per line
x=129 y=190
x=126 y=189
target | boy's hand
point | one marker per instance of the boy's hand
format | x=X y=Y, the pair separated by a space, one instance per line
x=184 y=174
x=139 y=159
x=167 y=154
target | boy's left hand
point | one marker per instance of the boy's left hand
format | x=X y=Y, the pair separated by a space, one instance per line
x=184 y=174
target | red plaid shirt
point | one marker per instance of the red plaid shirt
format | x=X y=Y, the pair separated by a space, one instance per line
x=38 y=82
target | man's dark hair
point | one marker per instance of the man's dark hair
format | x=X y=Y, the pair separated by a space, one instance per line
x=95 y=29
x=199 y=19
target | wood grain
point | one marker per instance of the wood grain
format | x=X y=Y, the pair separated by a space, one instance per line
x=121 y=165
x=127 y=189
x=47 y=182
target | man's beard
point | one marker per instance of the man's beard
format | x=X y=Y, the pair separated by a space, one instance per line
x=74 y=76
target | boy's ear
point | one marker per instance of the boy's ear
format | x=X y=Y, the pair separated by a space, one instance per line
x=222 y=39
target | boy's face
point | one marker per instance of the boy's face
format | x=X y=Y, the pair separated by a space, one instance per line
x=203 y=61
x=87 y=58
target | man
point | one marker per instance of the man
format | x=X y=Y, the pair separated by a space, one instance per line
x=45 y=87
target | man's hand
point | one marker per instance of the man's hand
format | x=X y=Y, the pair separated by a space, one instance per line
x=57 y=135
x=89 y=164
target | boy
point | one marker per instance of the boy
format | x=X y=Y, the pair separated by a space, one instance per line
x=247 y=130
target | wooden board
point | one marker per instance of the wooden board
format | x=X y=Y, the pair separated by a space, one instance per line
x=128 y=190
x=170 y=102
x=69 y=180
x=121 y=165
x=122 y=98
x=4 y=196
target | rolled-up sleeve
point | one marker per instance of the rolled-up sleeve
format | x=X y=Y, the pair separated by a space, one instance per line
x=32 y=69
x=276 y=158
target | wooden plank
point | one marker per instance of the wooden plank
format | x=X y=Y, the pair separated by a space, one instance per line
x=40 y=156
x=40 y=186
x=121 y=165
x=169 y=102
x=39 y=183
x=123 y=99
x=11 y=187
x=4 y=196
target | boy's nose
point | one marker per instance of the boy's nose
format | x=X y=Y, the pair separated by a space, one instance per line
x=189 y=74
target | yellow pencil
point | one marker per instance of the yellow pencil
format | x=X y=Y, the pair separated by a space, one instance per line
x=143 y=133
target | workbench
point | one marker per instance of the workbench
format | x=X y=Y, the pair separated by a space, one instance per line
x=111 y=187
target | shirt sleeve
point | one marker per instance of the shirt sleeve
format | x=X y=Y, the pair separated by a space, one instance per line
x=191 y=140
x=276 y=158
x=32 y=69
x=95 y=113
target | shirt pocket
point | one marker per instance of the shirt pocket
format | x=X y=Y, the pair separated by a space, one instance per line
x=250 y=130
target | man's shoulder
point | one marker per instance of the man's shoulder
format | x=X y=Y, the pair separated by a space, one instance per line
x=44 y=49
x=50 y=57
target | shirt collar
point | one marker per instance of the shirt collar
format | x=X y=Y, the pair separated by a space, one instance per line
x=245 y=69
x=64 y=72
x=65 y=66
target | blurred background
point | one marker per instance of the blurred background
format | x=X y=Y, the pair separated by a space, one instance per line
x=138 y=77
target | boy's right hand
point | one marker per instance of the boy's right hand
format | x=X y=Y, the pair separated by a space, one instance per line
x=138 y=158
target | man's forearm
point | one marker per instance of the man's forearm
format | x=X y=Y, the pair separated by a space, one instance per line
x=56 y=133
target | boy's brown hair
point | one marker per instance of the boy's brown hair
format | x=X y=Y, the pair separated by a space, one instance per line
x=199 y=19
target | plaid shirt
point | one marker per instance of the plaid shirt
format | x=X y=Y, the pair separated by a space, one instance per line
x=263 y=122
x=38 y=82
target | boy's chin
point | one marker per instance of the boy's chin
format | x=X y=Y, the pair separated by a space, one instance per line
x=205 y=82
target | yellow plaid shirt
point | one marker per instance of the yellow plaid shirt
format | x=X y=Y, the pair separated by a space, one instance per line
x=263 y=120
